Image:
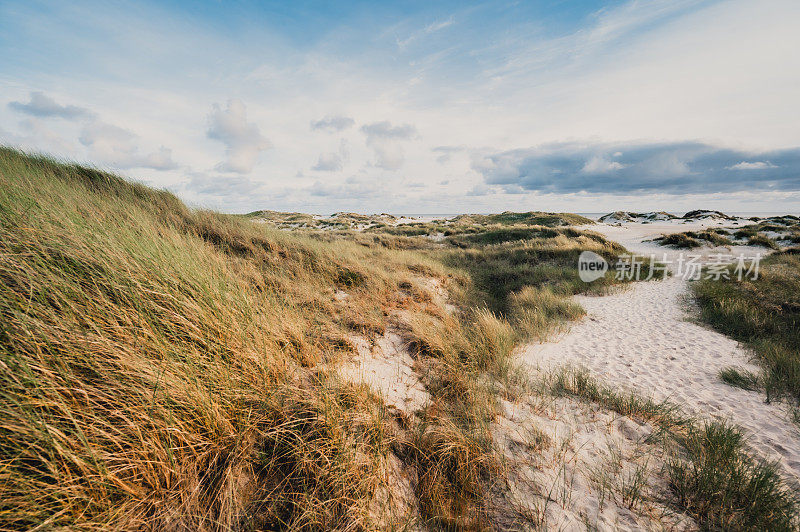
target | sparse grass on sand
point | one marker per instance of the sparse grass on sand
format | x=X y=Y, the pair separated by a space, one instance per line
x=762 y=241
x=741 y=378
x=765 y=315
x=712 y=475
x=385 y=223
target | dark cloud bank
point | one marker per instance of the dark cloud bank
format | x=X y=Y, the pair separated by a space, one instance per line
x=671 y=168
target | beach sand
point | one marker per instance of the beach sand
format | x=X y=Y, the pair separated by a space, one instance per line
x=643 y=339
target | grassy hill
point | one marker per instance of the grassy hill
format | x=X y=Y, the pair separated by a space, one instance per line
x=169 y=368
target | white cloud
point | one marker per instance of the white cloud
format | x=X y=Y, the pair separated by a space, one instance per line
x=384 y=139
x=388 y=156
x=757 y=165
x=480 y=189
x=158 y=160
x=385 y=130
x=116 y=146
x=36 y=136
x=329 y=162
x=243 y=139
x=436 y=26
x=598 y=164
x=332 y=162
x=433 y=27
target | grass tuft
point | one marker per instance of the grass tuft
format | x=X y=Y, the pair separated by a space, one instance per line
x=740 y=378
x=762 y=241
x=725 y=488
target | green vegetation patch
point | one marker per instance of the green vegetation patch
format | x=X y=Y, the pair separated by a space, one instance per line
x=549 y=219
x=764 y=314
x=695 y=239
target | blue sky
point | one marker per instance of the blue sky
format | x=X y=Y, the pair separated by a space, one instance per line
x=417 y=106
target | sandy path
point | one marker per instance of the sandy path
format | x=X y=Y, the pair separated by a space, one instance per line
x=639 y=339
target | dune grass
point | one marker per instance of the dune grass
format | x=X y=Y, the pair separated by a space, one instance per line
x=161 y=367
x=169 y=368
x=166 y=368
x=679 y=241
x=762 y=241
x=724 y=487
x=543 y=262
x=765 y=315
x=696 y=239
x=740 y=378
x=464 y=223
x=548 y=219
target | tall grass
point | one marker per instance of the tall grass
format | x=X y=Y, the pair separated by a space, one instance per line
x=725 y=487
x=167 y=368
x=546 y=263
x=161 y=367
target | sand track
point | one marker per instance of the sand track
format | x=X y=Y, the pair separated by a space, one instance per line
x=641 y=339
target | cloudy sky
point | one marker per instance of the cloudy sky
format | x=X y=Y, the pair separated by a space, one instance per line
x=417 y=107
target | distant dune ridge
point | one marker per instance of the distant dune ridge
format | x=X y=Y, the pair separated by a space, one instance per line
x=627 y=216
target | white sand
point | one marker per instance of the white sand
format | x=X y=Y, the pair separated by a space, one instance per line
x=388 y=369
x=573 y=466
x=640 y=339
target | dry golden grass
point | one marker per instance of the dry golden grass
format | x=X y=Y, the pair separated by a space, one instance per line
x=161 y=367
x=164 y=368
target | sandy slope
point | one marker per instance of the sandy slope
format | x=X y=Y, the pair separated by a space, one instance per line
x=574 y=466
x=640 y=339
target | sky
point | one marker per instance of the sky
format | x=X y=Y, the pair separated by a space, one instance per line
x=416 y=107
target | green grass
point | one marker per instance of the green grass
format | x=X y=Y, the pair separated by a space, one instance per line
x=740 y=378
x=696 y=239
x=714 y=237
x=549 y=219
x=765 y=315
x=500 y=270
x=762 y=241
x=578 y=382
x=679 y=241
x=724 y=487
